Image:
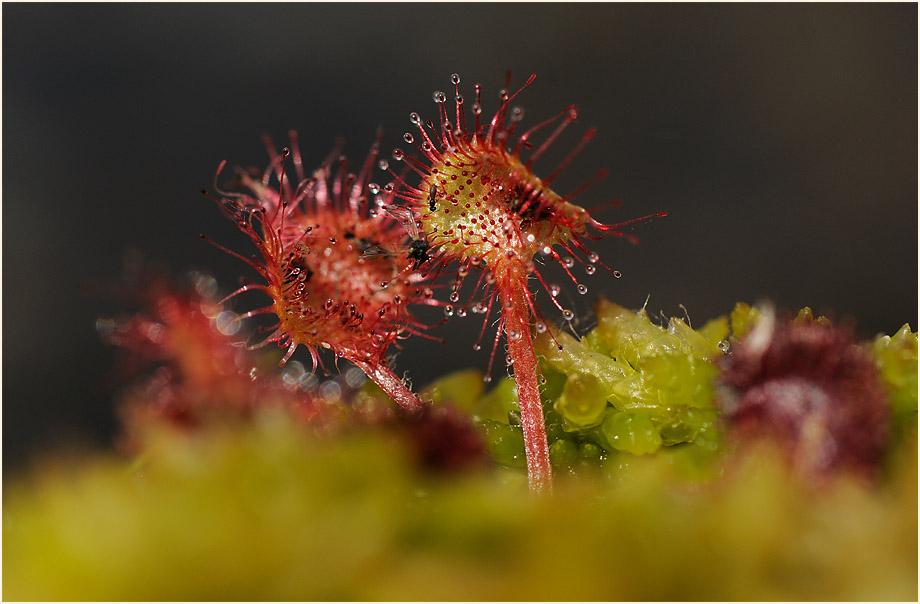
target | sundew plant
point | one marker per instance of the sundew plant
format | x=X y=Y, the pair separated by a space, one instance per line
x=275 y=446
x=479 y=204
x=333 y=264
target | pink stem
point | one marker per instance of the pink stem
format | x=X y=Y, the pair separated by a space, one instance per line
x=515 y=316
x=390 y=383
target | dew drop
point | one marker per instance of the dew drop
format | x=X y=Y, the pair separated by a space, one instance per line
x=541 y=327
x=617 y=274
x=590 y=269
x=383 y=165
x=568 y=315
x=408 y=138
x=374 y=188
x=477 y=347
x=568 y=262
x=461 y=312
x=454 y=296
x=554 y=290
x=514 y=335
x=547 y=250
x=398 y=153
x=724 y=345
x=388 y=187
x=438 y=96
x=454 y=79
x=486 y=379
x=414 y=118
x=582 y=289
x=592 y=257
x=477 y=108
x=448 y=311
x=531 y=238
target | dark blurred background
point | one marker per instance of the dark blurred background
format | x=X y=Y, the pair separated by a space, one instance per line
x=781 y=139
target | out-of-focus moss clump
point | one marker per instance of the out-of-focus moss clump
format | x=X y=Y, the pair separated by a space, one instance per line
x=896 y=357
x=348 y=503
x=266 y=511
